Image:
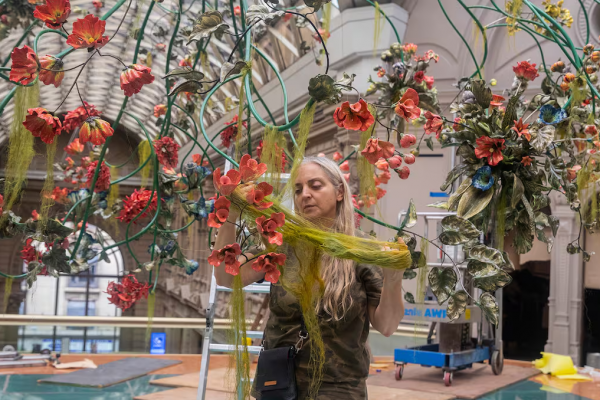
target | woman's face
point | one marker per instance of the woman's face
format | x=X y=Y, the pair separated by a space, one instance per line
x=315 y=196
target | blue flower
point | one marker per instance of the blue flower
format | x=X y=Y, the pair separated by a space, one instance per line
x=483 y=178
x=190 y=266
x=550 y=115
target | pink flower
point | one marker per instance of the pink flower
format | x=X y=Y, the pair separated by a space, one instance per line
x=257 y=195
x=337 y=156
x=345 y=167
x=409 y=158
x=250 y=169
x=429 y=81
x=382 y=165
x=226 y=184
x=434 y=124
x=383 y=177
x=419 y=76
x=408 y=140
x=229 y=255
x=394 y=161
x=407 y=107
x=217 y=218
x=354 y=117
x=268 y=264
x=404 y=172
x=267 y=227
x=376 y=149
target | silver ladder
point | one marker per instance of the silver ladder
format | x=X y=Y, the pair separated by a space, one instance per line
x=208 y=347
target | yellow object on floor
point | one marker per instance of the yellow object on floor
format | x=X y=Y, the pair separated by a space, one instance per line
x=555 y=364
x=575 y=377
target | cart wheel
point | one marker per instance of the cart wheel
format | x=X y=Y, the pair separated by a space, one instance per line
x=448 y=378
x=8 y=347
x=399 y=371
x=497 y=362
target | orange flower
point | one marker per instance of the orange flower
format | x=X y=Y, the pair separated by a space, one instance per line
x=74 y=119
x=134 y=77
x=229 y=255
x=42 y=124
x=87 y=33
x=496 y=101
x=434 y=124
x=52 y=72
x=337 y=156
x=526 y=161
x=24 y=68
x=226 y=184
x=324 y=34
x=376 y=149
x=257 y=196
x=75 y=147
x=268 y=264
x=267 y=227
x=491 y=149
x=558 y=66
x=569 y=77
x=160 y=109
x=250 y=169
x=407 y=107
x=345 y=166
x=60 y=195
x=382 y=165
x=95 y=130
x=217 y=218
x=410 y=48
x=54 y=13
x=383 y=177
x=521 y=129
x=572 y=172
x=354 y=117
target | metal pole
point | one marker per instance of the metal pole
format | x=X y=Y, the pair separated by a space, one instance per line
x=87 y=299
x=55 y=313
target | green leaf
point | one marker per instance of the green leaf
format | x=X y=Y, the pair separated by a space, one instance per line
x=186 y=86
x=486 y=254
x=457 y=305
x=457 y=231
x=508 y=264
x=456 y=196
x=211 y=22
x=554 y=222
x=316 y=4
x=541 y=235
x=541 y=138
x=323 y=88
x=487 y=277
x=56 y=260
x=228 y=69
x=517 y=192
x=186 y=73
x=453 y=175
x=467 y=153
x=429 y=142
x=439 y=204
x=442 y=282
x=473 y=202
x=410 y=219
x=56 y=230
x=523 y=239
x=409 y=298
x=261 y=13
x=510 y=115
x=409 y=274
x=489 y=306
x=482 y=93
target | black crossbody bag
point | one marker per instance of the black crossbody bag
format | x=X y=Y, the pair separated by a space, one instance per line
x=275 y=377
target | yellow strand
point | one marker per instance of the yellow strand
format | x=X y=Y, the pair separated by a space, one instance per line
x=144 y=151
x=326 y=21
x=7 y=290
x=20 y=145
x=501 y=221
x=240 y=358
x=272 y=155
x=594 y=211
x=47 y=201
x=113 y=196
x=366 y=170
x=240 y=125
x=378 y=27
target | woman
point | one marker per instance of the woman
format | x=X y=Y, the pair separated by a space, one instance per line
x=355 y=294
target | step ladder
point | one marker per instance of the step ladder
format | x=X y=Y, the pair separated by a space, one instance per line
x=208 y=346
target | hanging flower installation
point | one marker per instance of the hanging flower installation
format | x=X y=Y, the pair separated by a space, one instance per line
x=24 y=67
x=134 y=77
x=95 y=130
x=166 y=151
x=42 y=124
x=87 y=33
x=53 y=13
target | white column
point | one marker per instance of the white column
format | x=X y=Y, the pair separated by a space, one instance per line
x=566 y=280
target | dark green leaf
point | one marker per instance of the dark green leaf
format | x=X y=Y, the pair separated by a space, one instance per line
x=56 y=260
x=429 y=142
x=211 y=22
x=523 y=238
x=456 y=172
x=554 y=222
x=186 y=73
x=508 y=264
x=457 y=305
x=316 y=4
x=186 y=86
x=541 y=235
x=518 y=191
x=409 y=274
x=489 y=306
x=409 y=298
x=442 y=282
x=510 y=115
x=473 y=202
x=486 y=254
x=456 y=196
x=56 y=230
x=467 y=153
x=457 y=231
x=323 y=88
x=486 y=276
x=260 y=12
x=482 y=93
x=228 y=69
x=410 y=219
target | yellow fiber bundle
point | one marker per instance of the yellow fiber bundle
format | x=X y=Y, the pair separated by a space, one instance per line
x=273 y=143
x=378 y=27
x=20 y=145
x=47 y=201
x=240 y=359
x=500 y=221
x=144 y=151
x=366 y=170
x=240 y=125
x=326 y=20
x=514 y=9
x=422 y=272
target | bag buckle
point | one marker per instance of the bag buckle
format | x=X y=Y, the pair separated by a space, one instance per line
x=300 y=342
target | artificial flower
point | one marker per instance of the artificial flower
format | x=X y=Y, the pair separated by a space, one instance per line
x=103 y=181
x=490 y=148
x=432 y=56
x=74 y=148
x=267 y=227
x=229 y=255
x=160 y=47
x=521 y=129
x=53 y=13
x=382 y=165
x=74 y=119
x=257 y=195
x=429 y=80
x=35 y=215
x=595 y=57
x=483 y=179
x=408 y=140
x=51 y=71
x=237 y=11
x=231 y=131
x=590 y=130
x=24 y=68
x=457 y=124
x=97 y=4
x=354 y=117
x=42 y=124
x=95 y=130
x=525 y=70
x=1 y=203
x=87 y=33
x=569 y=77
x=186 y=62
x=550 y=115
x=434 y=124
x=407 y=107
x=558 y=66
x=134 y=204
x=496 y=101
x=226 y=184
x=347 y=177
x=134 y=77
x=419 y=76
x=160 y=109
x=410 y=48
x=166 y=151
x=323 y=34
x=288 y=16
x=217 y=218
x=345 y=166
x=125 y=294
x=268 y=264
x=29 y=252
x=409 y=158
x=572 y=172
x=394 y=161
x=381 y=72
x=383 y=177
x=380 y=193
x=403 y=172
x=250 y=169
x=60 y=195
x=376 y=149
x=337 y=156
x=526 y=161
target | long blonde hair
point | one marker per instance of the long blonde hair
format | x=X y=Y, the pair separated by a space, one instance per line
x=339 y=275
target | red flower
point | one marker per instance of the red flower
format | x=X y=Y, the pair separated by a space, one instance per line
x=380 y=193
x=355 y=117
x=60 y=195
x=287 y=17
x=591 y=130
x=42 y=124
x=56 y=73
x=383 y=177
x=572 y=172
x=166 y=151
x=97 y=4
x=74 y=119
x=160 y=109
x=345 y=166
x=376 y=149
x=381 y=72
x=394 y=161
x=103 y=181
x=95 y=130
x=134 y=77
x=337 y=156
x=382 y=165
x=35 y=215
x=267 y=227
x=526 y=161
x=407 y=106
x=1 y=203
x=29 y=253
x=217 y=218
x=250 y=169
x=521 y=129
x=257 y=195
x=324 y=34
x=186 y=62
x=525 y=70
x=237 y=10
x=54 y=13
x=457 y=124
x=228 y=254
x=408 y=140
x=87 y=33
x=429 y=81
x=268 y=263
x=230 y=133
x=403 y=172
x=75 y=147
x=69 y=160
x=24 y=68
x=496 y=101
x=125 y=294
x=419 y=76
x=434 y=124
x=491 y=149
x=134 y=204
x=226 y=184
x=409 y=158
